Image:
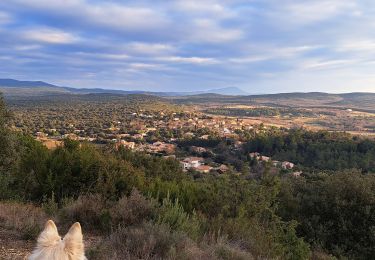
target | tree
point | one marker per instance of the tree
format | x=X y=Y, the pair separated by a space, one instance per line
x=4 y=135
x=8 y=154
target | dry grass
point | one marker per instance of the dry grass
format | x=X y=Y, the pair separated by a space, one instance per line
x=155 y=241
x=25 y=218
x=146 y=241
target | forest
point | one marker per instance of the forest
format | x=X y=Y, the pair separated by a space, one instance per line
x=146 y=207
x=261 y=112
x=319 y=150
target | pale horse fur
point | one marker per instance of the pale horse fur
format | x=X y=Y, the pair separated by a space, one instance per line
x=50 y=246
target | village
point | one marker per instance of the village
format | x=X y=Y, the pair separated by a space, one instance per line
x=159 y=135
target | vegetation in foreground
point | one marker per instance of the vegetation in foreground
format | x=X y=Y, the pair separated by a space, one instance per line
x=146 y=208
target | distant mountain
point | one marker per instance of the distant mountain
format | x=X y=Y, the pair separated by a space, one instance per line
x=230 y=95
x=23 y=84
x=231 y=91
x=11 y=87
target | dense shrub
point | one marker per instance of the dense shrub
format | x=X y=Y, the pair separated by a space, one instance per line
x=132 y=210
x=146 y=241
x=318 y=150
x=90 y=210
x=335 y=212
x=150 y=241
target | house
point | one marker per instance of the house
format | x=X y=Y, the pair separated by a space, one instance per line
x=238 y=144
x=203 y=168
x=264 y=158
x=150 y=129
x=137 y=136
x=296 y=174
x=198 y=149
x=226 y=131
x=185 y=165
x=191 y=162
x=161 y=147
x=189 y=135
x=169 y=156
x=40 y=135
x=259 y=157
x=71 y=137
x=123 y=143
x=194 y=161
x=51 y=144
x=287 y=165
x=254 y=155
x=275 y=163
x=223 y=168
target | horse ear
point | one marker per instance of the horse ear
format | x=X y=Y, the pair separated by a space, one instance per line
x=74 y=239
x=49 y=235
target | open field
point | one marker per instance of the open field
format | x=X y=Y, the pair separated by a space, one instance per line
x=354 y=112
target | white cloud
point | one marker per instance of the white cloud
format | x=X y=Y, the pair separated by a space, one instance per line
x=327 y=64
x=48 y=35
x=144 y=67
x=191 y=60
x=207 y=30
x=28 y=47
x=149 y=48
x=299 y=13
x=122 y=17
x=274 y=52
x=204 y=8
x=5 y=18
x=358 y=45
x=105 y=13
x=105 y=56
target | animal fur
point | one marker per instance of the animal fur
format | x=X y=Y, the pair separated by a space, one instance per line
x=50 y=246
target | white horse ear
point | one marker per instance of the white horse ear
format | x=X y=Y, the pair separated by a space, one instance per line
x=49 y=235
x=74 y=239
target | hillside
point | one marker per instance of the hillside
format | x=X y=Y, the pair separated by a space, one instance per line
x=358 y=101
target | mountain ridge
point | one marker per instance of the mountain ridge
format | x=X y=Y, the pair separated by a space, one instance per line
x=9 y=87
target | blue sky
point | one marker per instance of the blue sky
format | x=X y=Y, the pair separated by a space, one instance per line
x=261 y=46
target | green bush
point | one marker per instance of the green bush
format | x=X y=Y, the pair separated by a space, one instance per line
x=173 y=214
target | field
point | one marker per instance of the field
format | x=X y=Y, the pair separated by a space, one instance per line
x=353 y=113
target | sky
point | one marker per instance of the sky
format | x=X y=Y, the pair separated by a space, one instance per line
x=260 y=46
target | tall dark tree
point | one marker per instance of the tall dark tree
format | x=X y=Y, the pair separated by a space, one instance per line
x=5 y=140
x=8 y=154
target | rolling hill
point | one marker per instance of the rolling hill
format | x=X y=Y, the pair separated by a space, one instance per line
x=11 y=87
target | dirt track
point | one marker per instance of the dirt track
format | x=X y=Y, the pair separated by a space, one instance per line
x=12 y=246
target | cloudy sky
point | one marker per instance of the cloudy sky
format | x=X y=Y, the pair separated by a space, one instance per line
x=261 y=46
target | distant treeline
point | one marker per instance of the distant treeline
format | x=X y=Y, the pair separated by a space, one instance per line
x=260 y=111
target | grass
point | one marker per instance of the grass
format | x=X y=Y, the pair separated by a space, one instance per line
x=25 y=218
